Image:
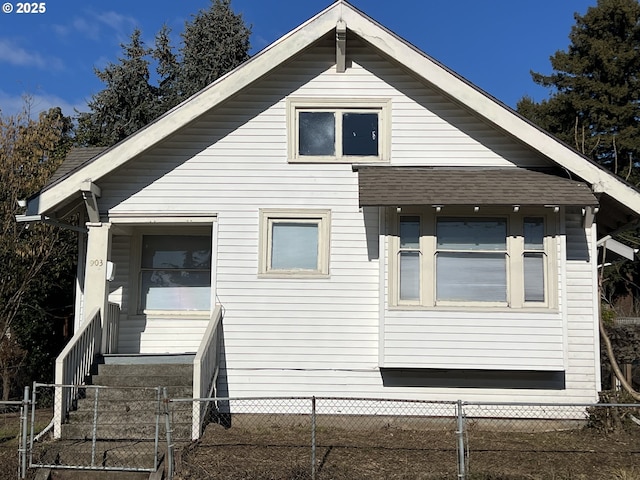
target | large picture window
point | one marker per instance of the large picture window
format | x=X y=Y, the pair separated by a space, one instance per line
x=472 y=260
x=175 y=272
x=342 y=130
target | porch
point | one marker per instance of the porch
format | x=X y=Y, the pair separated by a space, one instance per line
x=96 y=342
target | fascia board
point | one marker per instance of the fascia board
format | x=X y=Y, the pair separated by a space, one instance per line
x=223 y=88
x=492 y=110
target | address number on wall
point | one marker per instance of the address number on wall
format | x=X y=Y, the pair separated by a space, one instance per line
x=96 y=263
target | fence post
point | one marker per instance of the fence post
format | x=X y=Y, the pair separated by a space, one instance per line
x=170 y=445
x=24 y=412
x=313 y=438
x=462 y=474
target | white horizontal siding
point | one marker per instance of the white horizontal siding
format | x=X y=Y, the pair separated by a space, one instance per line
x=119 y=286
x=497 y=340
x=320 y=335
x=583 y=360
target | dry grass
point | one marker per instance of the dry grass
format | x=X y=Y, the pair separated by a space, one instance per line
x=283 y=453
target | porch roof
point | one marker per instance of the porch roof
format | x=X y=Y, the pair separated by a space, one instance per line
x=397 y=186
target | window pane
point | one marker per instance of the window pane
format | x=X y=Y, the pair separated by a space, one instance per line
x=316 y=133
x=467 y=234
x=473 y=277
x=360 y=134
x=176 y=251
x=294 y=246
x=534 y=233
x=409 y=232
x=177 y=272
x=176 y=290
x=533 y=277
x=409 y=276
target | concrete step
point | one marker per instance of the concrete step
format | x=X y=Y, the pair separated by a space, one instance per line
x=124 y=380
x=132 y=394
x=96 y=475
x=131 y=455
x=117 y=414
x=123 y=432
x=184 y=370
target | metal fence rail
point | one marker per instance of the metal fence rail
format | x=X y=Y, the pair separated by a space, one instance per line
x=595 y=441
x=344 y=438
x=108 y=428
x=13 y=438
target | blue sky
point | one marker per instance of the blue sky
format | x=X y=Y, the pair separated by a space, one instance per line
x=51 y=56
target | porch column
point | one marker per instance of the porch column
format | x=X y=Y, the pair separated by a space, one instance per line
x=95 y=278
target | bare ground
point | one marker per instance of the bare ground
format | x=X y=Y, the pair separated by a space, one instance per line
x=277 y=451
x=241 y=453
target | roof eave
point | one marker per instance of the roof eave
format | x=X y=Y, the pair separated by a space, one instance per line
x=416 y=61
x=223 y=88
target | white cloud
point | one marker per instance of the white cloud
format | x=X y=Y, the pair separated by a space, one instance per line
x=39 y=102
x=116 y=21
x=18 y=56
x=86 y=28
x=93 y=24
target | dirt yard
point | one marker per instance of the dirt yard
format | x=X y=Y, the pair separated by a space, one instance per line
x=277 y=450
x=401 y=454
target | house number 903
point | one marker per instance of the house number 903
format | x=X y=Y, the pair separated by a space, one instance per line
x=96 y=263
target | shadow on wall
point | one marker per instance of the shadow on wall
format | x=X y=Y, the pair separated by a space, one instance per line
x=468 y=378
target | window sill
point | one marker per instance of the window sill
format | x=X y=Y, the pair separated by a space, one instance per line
x=176 y=313
x=338 y=160
x=294 y=275
x=475 y=308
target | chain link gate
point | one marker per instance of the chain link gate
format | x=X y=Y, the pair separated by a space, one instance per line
x=106 y=428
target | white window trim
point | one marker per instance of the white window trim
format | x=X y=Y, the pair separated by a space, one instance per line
x=135 y=268
x=514 y=259
x=269 y=216
x=382 y=106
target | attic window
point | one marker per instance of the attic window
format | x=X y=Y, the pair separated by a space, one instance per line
x=345 y=130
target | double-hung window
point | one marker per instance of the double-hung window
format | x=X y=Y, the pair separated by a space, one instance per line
x=294 y=243
x=340 y=130
x=534 y=260
x=175 y=272
x=472 y=260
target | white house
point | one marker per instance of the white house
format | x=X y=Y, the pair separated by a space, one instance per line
x=369 y=223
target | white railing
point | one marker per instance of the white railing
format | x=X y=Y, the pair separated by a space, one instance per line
x=74 y=364
x=205 y=370
x=110 y=329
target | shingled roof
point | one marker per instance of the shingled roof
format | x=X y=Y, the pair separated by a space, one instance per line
x=396 y=186
x=76 y=157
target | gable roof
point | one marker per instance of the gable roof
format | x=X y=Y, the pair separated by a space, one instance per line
x=66 y=186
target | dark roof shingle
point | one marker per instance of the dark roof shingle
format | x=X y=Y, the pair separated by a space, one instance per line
x=397 y=186
x=76 y=157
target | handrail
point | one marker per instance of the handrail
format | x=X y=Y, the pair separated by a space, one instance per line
x=205 y=369
x=73 y=365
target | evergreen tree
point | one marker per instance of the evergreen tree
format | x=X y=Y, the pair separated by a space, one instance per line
x=595 y=100
x=128 y=101
x=168 y=70
x=214 y=42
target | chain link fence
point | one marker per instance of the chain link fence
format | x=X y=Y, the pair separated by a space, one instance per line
x=318 y=438
x=13 y=440
x=346 y=438
x=107 y=428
